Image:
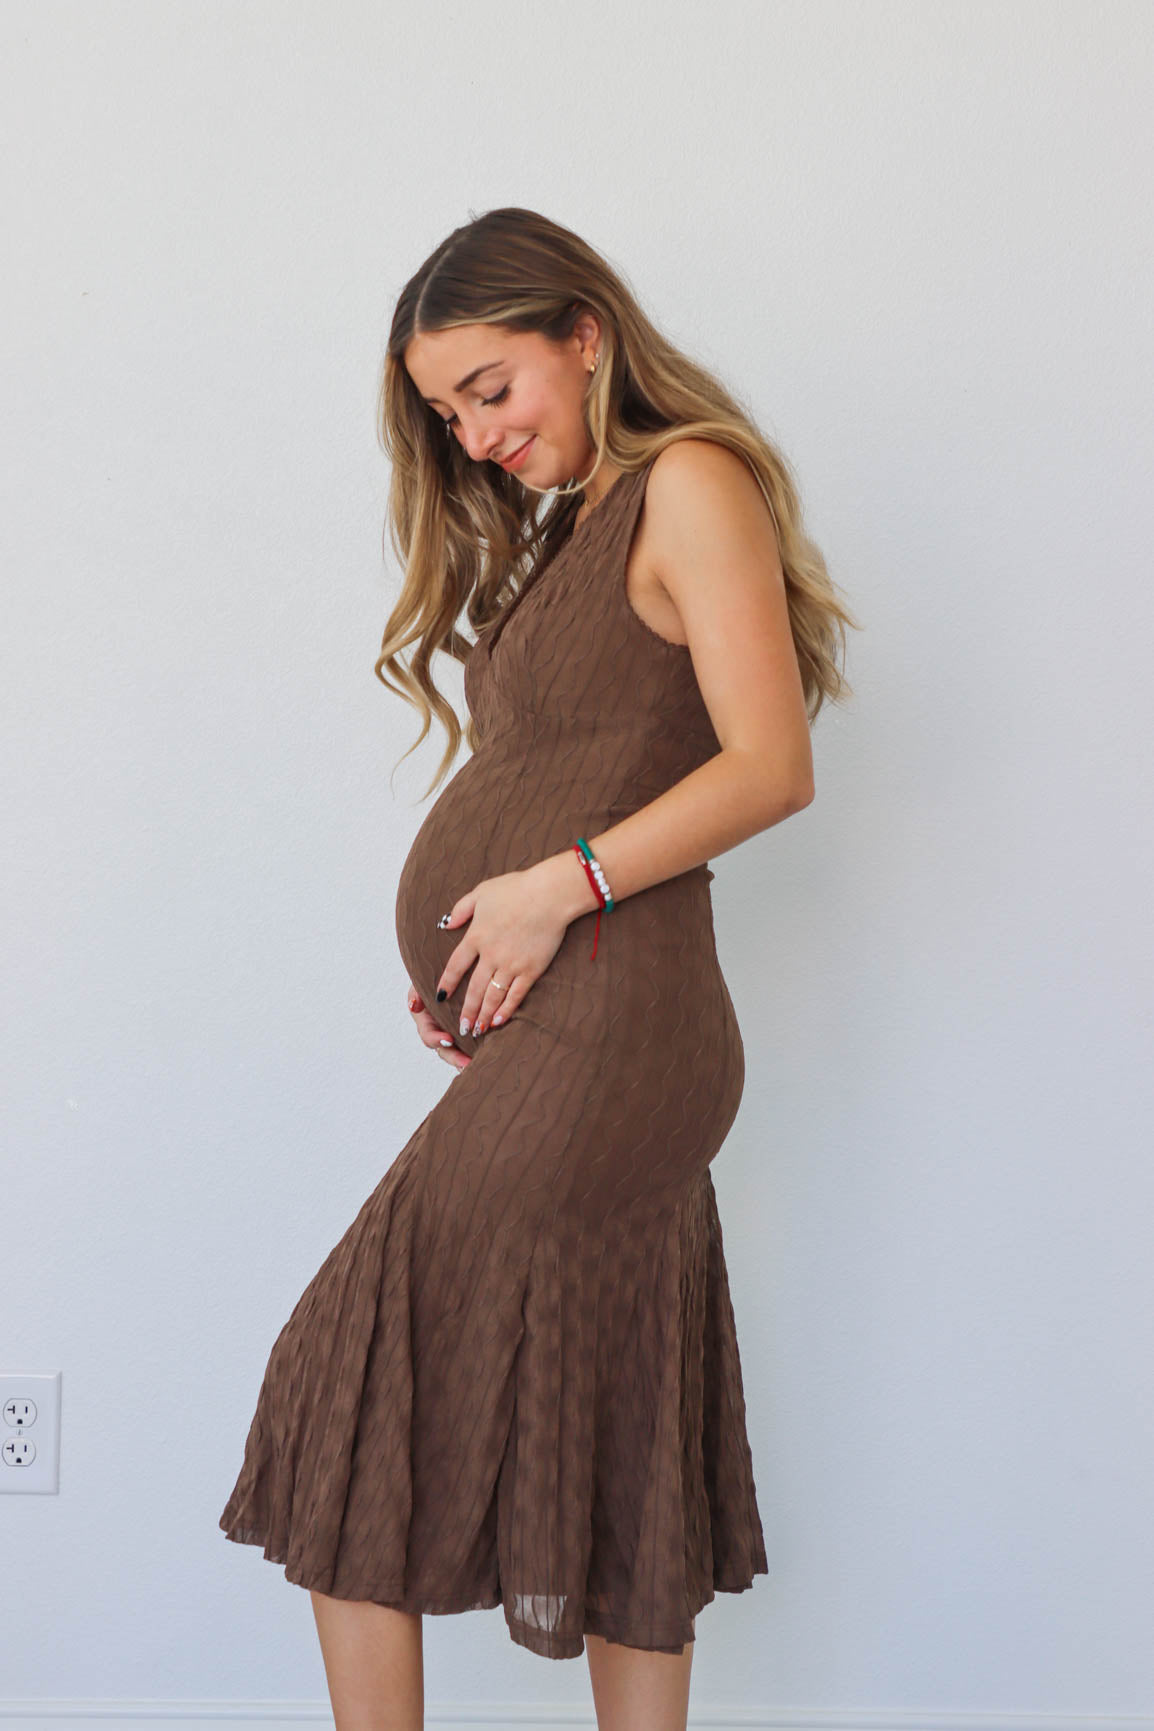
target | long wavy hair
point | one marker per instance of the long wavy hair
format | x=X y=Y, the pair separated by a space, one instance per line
x=467 y=534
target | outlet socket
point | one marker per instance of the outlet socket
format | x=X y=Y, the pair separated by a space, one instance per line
x=29 y=1433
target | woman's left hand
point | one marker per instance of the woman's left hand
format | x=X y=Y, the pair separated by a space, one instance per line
x=515 y=931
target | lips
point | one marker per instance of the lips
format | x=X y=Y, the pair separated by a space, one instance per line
x=514 y=457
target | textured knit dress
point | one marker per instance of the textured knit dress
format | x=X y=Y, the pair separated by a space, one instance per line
x=515 y=1380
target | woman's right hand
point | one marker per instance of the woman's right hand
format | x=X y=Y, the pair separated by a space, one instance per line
x=433 y=1035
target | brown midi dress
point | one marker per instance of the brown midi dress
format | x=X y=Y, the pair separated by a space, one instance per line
x=515 y=1380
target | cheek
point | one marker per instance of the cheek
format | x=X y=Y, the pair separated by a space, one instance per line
x=529 y=409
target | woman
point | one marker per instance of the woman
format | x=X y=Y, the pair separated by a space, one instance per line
x=515 y=1380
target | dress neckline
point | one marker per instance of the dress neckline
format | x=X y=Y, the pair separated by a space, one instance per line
x=555 y=552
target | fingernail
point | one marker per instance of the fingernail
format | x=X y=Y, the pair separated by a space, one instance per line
x=444 y=920
x=479 y=1030
x=464 y=1025
x=442 y=995
x=498 y=1018
x=446 y=1041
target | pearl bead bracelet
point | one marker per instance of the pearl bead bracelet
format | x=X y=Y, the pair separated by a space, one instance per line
x=596 y=876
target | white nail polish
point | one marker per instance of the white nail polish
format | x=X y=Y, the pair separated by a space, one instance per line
x=446 y=1041
x=464 y=1026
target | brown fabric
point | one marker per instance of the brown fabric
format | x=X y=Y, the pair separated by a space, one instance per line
x=515 y=1380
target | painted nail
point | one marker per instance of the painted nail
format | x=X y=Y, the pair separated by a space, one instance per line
x=446 y=1041
x=498 y=1018
x=464 y=1025
x=442 y=995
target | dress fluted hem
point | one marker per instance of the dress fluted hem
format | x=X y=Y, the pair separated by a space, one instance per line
x=489 y=1598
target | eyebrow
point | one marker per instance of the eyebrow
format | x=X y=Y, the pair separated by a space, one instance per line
x=462 y=384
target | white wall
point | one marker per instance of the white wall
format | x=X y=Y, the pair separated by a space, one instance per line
x=917 y=239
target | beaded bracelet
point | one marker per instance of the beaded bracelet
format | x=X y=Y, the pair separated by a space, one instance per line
x=596 y=876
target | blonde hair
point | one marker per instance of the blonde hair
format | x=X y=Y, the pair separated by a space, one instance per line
x=467 y=534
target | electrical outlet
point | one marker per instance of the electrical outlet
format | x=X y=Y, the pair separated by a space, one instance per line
x=29 y=1432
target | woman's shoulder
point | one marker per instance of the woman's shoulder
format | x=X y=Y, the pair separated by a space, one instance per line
x=702 y=465
x=694 y=482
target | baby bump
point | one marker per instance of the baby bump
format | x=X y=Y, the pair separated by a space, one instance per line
x=451 y=852
x=654 y=984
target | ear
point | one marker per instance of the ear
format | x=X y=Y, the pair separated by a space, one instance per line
x=587 y=329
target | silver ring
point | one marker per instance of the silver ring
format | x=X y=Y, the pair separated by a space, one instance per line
x=498 y=985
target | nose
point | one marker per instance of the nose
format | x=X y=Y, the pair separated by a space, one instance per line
x=480 y=442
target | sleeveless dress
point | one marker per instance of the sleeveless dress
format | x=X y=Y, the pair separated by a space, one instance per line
x=515 y=1380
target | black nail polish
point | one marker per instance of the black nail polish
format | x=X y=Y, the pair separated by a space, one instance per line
x=442 y=995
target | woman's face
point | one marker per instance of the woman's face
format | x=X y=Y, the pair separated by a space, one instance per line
x=500 y=390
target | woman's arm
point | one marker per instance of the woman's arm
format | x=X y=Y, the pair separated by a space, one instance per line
x=715 y=553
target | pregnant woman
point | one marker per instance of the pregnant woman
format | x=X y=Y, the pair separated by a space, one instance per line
x=515 y=1380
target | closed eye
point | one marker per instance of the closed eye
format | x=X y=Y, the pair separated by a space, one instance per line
x=486 y=402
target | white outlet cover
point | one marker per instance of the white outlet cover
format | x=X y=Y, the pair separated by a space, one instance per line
x=29 y=1411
